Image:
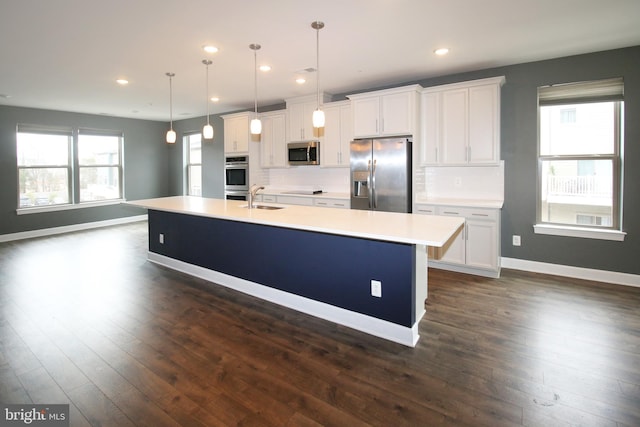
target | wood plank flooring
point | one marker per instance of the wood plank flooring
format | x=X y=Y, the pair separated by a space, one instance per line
x=86 y=320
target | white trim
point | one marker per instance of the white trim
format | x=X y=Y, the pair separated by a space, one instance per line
x=575 y=272
x=371 y=325
x=68 y=206
x=586 y=233
x=70 y=228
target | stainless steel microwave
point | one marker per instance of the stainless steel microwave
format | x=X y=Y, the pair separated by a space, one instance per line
x=304 y=153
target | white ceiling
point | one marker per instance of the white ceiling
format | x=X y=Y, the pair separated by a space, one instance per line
x=66 y=54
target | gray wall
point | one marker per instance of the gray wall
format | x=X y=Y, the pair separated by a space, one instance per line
x=212 y=157
x=519 y=151
x=145 y=162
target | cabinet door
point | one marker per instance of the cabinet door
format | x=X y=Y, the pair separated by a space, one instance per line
x=300 y=123
x=482 y=244
x=429 y=149
x=454 y=127
x=366 y=113
x=273 y=142
x=236 y=135
x=337 y=136
x=483 y=124
x=397 y=114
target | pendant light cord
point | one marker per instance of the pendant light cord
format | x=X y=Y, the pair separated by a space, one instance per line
x=170 y=100
x=207 y=63
x=255 y=81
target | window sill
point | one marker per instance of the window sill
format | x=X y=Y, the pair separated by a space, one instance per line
x=55 y=208
x=585 y=233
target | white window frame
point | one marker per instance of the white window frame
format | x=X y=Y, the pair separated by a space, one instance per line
x=188 y=165
x=585 y=92
x=73 y=169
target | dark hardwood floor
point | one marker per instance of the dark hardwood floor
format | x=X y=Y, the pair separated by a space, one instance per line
x=86 y=320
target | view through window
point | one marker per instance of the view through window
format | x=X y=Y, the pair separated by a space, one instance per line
x=193 y=160
x=579 y=154
x=66 y=166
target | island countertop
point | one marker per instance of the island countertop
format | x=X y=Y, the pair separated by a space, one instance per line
x=429 y=230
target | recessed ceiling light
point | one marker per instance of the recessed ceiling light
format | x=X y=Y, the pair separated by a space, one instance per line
x=301 y=80
x=5 y=96
x=122 y=82
x=210 y=49
x=215 y=99
x=441 y=51
x=265 y=68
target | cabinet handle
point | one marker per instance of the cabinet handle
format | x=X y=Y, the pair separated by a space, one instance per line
x=479 y=214
x=322 y=203
x=377 y=126
x=436 y=154
x=451 y=213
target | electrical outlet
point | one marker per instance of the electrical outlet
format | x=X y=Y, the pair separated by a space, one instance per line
x=376 y=288
x=516 y=240
x=161 y=238
x=457 y=182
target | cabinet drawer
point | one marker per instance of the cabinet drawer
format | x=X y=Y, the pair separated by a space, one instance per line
x=292 y=200
x=425 y=209
x=469 y=213
x=332 y=203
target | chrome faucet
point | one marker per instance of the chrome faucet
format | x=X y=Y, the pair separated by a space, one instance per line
x=253 y=191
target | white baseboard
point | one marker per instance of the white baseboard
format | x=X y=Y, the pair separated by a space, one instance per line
x=381 y=328
x=70 y=228
x=575 y=272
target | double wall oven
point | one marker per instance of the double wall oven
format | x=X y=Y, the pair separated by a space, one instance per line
x=236 y=177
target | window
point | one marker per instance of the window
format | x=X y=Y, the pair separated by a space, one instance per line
x=193 y=161
x=99 y=166
x=579 y=161
x=67 y=167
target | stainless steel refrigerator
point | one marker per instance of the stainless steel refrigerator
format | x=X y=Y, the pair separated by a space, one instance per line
x=381 y=174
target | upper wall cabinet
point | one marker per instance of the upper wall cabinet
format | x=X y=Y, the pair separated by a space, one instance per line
x=236 y=132
x=338 y=134
x=299 y=114
x=273 y=142
x=389 y=112
x=461 y=123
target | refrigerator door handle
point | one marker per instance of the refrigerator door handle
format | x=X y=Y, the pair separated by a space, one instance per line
x=373 y=186
x=369 y=188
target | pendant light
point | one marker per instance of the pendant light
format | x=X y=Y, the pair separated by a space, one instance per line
x=256 y=124
x=318 y=115
x=171 y=134
x=207 y=130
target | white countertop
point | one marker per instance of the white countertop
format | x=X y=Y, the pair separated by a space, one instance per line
x=430 y=230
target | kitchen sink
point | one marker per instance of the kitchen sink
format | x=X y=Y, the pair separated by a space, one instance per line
x=264 y=207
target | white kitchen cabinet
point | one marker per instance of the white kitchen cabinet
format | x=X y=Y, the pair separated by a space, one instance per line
x=461 y=123
x=273 y=141
x=338 y=133
x=389 y=112
x=476 y=248
x=236 y=133
x=299 y=117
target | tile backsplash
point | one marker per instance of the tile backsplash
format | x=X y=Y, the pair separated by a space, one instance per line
x=464 y=182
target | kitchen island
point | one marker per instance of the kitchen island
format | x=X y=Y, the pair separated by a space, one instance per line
x=362 y=269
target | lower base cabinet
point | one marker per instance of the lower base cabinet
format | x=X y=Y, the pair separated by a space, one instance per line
x=476 y=247
x=305 y=201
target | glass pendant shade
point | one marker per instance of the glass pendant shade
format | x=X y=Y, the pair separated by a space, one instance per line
x=171 y=136
x=318 y=118
x=207 y=131
x=256 y=127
